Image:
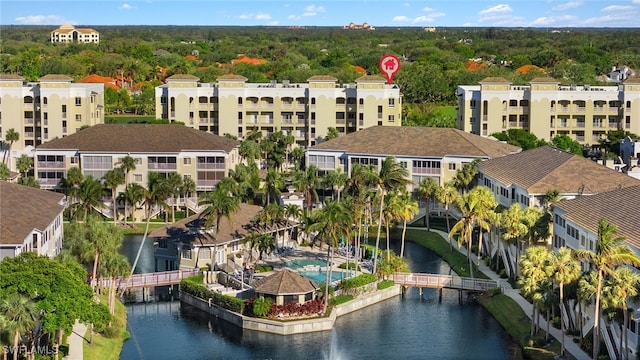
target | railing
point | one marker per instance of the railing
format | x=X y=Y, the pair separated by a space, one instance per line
x=151 y=279
x=51 y=165
x=219 y=166
x=438 y=281
x=171 y=166
x=422 y=170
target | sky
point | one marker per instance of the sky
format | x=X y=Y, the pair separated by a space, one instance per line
x=393 y=13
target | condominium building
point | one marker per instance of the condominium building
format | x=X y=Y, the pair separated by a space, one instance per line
x=546 y=109
x=70 y=34
x=162 y=149
x=53 y=107
x=425 y=152
x=31 y=221
x=233 y=106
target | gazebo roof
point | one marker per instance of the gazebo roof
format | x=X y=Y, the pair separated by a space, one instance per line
x=285 y=282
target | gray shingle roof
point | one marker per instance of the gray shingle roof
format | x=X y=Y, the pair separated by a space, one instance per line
x=546 y=168
x=285 y=282
x=417 y=142
x=141 y=138
x=23 y=209
x=620 y=207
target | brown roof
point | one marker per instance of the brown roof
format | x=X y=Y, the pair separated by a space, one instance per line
x=11 y=77
x=633 y=80
x=187 y=230
x=56 y=77
x=141 y=138
x=544 y=80
x=371 y=78
x=23 y=209
x=183 y=77
x=322 y=78
x=417 y=141
x=232 y=77
x=619 y=207
x=285 y=282
x=546 y=168
x=490 y=80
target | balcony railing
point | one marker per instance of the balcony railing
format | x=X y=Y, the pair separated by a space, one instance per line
x=207 y=183
x=580 y=124
x=28 y=120
x=163 y=166
x=51 y=165
x=421 y=170
x=49 y=182
x=219 y=166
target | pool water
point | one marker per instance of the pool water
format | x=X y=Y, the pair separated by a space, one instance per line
x=300 y=263
x=321 y=276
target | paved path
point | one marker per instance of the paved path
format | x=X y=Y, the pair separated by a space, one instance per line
x=76 y=342
x=571 y=347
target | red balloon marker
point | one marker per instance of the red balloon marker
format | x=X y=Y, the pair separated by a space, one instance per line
x=389 y=65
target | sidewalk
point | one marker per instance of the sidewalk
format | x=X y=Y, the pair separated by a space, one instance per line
x=76 y=342
x=571 y=347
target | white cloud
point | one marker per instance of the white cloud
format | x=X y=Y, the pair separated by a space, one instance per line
x=423 y=19
x=636 y=2
x=427 y=9
x=313 y=10
x=400 y=18
x=564 y=20
x=567 y=6
x=43 y=20
x=406 y=4
x=293 y=17
x=618 y=8
x=498 y=9
x=259 y=16
x=127 y=7
x=273 y=23
x=622 y=20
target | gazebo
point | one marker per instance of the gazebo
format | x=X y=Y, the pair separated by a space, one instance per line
x=286 y=286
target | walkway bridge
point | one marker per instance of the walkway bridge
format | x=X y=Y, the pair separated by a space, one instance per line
x=151 y=279
x=439 y=281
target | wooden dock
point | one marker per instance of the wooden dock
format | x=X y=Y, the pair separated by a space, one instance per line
x=151 y=279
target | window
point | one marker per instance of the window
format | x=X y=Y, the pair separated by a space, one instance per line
x=186 y=254
x=322 y=162
x=452 y=166
x=187 y=161
x=392 y=118
x=472 y=103
x=162 y=243
x=392 y=102
x=137 y=178
x=78 y=101
x=74 y=159
x=78 y=117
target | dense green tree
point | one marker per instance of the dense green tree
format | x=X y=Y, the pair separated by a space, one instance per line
x=428 y=189
x=564 y=142
x=24 y=164
x=521 y=138
x=19 y=316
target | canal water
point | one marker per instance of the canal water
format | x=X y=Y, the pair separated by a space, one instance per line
x=409 y=327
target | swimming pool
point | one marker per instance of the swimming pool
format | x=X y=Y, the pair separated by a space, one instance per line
x=300 y=263
x=321 y=276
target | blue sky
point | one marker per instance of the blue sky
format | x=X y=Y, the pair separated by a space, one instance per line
x=437 y=13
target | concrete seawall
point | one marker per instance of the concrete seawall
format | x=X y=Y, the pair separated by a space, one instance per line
x=293 y=326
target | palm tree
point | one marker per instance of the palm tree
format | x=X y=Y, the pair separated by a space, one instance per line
x=173 y=182
x=112 y=179
x=11 y=136
x=133 y=194
x=128 y=164
x=336 y=181
x=391 y=176
x=610 y=253
x=513 y=228
x=219 y=203
x=467 y=204
x=484 y=213
x=447 y=195
x=408 y=209
x=90 y=195
x=20 y=315
x=265 y=243
x=273 y=184
x=465 y=177
x=71 y=184
x=534 y=274
x=188 y=187
x=333 y=224
x=564 y=269
x=24 y=164
x=429 y=189
x=307 y=181
x=624 y=285
x=551 y=197
x=114 y=266
x=4 y=172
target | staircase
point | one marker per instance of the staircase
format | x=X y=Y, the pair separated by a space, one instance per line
x=608 y=338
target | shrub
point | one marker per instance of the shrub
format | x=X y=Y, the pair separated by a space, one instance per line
x=351 y=266
x=385 y=284
x=503 y=274
x=309 y=308
x=340 y=299
x=494 y=291
x=358 y=281
x=194 y=286
x=556 y=322
x=264 y=268
x=261 y=306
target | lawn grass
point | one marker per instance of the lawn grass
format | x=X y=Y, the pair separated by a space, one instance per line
x=109 y=348
x=138 y=228
x=448 y=111
x=129 y=119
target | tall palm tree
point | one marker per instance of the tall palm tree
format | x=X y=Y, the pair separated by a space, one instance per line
x=550 y=197
x=114 y=266
x=484 y=213
x=173 y=182
x=408 y=209
x=11 y=136
x=391 y=176
x=90 y=195
x=465 y=177
x=128 y=164
x=274 y=183
x=333 y=224
x=71 y=184
x=336 y=181
x=307 y=182
x=101 y=239
x=133 y=194
x=20 y=315
x=447 y=195
x=623 y=285
x=467 y=204
x=564 y=269
x=112 y=179
x=188 y=187
x=24 y=164
x=513 y=228
x=535 y=273
x=219 y=203
x=610 y=253
x=428 y=188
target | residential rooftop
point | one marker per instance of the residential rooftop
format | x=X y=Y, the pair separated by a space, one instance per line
x=417 y=142
x=141 y=138
x=23 y=209
x=546 y=168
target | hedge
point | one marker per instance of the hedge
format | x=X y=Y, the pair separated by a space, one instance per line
x=193 y=285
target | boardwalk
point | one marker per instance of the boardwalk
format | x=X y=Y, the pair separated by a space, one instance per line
x=438 y=281
x=151 y=279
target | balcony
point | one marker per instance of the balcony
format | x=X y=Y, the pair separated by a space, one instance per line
x=64 y=115
x=51 y=164
x=580 y=124
x=28 y=120
x=209 y=166
x=49 y=182
x=579 y=137
x=208 y=184
x=28 y=134
x=162 y=166
x=204 y=120
x=430 y=171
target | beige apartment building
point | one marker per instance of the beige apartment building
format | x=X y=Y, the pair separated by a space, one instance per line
x=70 y=34
x=546 y=109
x=233 y=106
x=53 y=107
x=162 y=149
